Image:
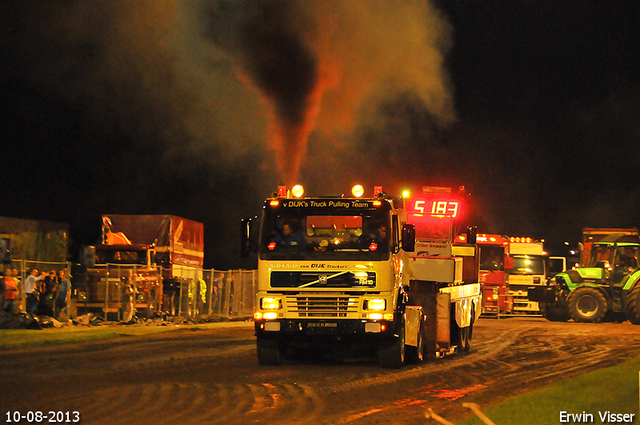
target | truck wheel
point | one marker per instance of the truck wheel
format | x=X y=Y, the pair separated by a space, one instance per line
x=416 y=354
x=633 y=305
x=269 y=352
x=392 y=354
x=587 y=305
x=556 y=312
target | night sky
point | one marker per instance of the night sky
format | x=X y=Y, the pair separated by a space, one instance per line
x=201 y=108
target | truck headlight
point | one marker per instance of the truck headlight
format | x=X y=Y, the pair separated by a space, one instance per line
x=271 y=303
x=376 y=304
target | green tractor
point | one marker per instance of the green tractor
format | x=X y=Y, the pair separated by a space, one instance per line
x=607 y=285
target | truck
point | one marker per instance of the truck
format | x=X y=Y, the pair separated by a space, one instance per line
x=379 y=272
x=530 y=267
x=494 y=262
x=144 y=258
x=605 y=284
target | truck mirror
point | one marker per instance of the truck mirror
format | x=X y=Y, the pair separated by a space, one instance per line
x=5 y=250
x=245 y=232
x=472 y=234
x=88 y=256
x=409 y=237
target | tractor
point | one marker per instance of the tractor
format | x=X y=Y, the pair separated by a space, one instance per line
x=607 y=286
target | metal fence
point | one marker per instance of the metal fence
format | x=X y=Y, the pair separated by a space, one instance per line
x=226 y=293
x=199 y=293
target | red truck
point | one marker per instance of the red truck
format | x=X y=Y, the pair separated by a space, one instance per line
x=161 y=251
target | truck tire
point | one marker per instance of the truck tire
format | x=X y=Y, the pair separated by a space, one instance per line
x=587 y=305
x=556 y=312
x=416 y=354
x=392 y=354
x=633 y=305
x=269 y=352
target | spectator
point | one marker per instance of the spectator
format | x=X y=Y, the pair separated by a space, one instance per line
x=128 y=298
x=47 y=292
x=10 y=288
x=201 y=296
x=232 y=284
x=62 y=294
x=31 y=290
x=218 y=283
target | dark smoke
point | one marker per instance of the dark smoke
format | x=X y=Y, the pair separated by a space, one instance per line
x=325 y=65
x=268 y=44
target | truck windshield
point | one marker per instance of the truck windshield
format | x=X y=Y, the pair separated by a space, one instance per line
x=491 y=258
x=600 y=254
x=325 y=233
x=121 y=257
x=528 y=265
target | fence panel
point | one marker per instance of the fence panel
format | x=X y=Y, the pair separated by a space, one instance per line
x=203 y=293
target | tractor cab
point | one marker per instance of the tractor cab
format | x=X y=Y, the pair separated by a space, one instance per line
x=611 y=261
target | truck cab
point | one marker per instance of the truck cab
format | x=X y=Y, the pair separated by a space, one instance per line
x=111 y=273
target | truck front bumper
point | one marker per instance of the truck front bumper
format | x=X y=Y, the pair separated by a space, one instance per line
x=327 y=330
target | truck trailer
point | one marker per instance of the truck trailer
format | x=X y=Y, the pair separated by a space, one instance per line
x=379 y=271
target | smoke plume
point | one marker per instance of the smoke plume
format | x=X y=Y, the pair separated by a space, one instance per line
x=325 y=65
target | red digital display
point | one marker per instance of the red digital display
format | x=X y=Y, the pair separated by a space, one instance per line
x=437 y=208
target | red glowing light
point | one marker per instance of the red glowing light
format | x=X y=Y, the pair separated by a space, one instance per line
x=282 y=190
x=373 y=246
x=271 y=246
x=377 y=203
x=436 y=208
x=274 y=203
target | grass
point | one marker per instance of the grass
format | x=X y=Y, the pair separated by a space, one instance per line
x=21 y=338
x=613 y=389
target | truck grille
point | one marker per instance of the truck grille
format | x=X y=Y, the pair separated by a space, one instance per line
x=311 y=306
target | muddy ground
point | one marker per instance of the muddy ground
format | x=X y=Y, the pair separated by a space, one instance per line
x=211 y=375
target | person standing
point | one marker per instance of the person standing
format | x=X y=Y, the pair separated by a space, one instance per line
x=128 y=301
x=202 y=295
x=10 y=292
x=62 y=294
x=217 y=293
x=31 y=290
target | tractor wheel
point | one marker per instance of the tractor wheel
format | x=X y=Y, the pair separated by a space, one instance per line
x=392 y=354
x=633 y=306
x=587 y=305
x=556 y=312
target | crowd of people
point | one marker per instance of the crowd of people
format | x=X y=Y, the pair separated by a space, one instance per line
x=46 y=293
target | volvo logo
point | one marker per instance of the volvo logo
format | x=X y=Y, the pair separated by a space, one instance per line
x=322 y=279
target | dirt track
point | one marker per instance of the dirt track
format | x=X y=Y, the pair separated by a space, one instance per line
x=211 y=376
